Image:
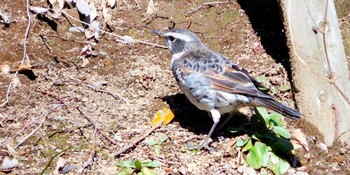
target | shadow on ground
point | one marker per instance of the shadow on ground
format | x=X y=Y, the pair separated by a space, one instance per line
x=267 y=21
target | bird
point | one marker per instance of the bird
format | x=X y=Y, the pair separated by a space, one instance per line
x=212 y=82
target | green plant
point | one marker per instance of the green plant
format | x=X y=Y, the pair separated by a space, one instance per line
x=137 y=166
x=273 y=90
x=267 y=138
x=156 y=144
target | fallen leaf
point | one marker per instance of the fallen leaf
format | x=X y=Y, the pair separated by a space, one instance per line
x=93 y=12
x=165 y=115
x=25 y=66
x=59 y=164
x=111 y=3
x=8 y=164
x=5 y=69
x=38 y=10
x=151 y=9
x=299 y=136
x=323 y=147
x=83 y=7
x=15 y=82
x=57 y=5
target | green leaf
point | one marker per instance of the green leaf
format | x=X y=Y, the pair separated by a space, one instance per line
x=265 y=154
x=157 y=149
x=240 y=142
x=262 y=111
x=277 y=165
x=284 y=87
x=258 y=155
x=276 y=118
x=151 y=142
x=147 y=171
x=125 y=164
x=281 y=131
x=260 y=78
x=125 y=171
x=282 y=145
x=138 y=165
x=151 y=164
x=247 y=146
x=163 y=139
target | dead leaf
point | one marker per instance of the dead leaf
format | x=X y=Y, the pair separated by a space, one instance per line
x=39 y=10
x=26 y=66
x=323 y=147
x=107 y=17
x=85 y=62
x=83 y=7
x=111 y=3
x=57 y=5
x=99 y=84
x=165 y=115
x=93 y=12
x=5 y=69
x=151 y=9
x=299 y=136
x=15 y=82
x=8 y=164
x=59 y=164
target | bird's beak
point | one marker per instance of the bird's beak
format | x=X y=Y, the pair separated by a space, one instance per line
x=157 y=32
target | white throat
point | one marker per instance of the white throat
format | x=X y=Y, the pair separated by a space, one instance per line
x=176 y=56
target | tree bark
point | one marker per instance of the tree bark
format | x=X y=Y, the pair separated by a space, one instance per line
x=320 y=71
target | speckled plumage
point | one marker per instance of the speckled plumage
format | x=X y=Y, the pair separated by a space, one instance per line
x=212 y=82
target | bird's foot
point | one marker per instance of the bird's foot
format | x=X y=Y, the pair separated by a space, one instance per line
x=204 y=145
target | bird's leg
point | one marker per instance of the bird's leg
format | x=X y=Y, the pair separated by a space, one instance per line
x=215 y=115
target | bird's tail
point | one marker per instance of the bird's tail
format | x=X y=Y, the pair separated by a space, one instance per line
x=277 y=107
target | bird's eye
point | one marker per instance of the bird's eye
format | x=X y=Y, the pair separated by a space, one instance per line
x=171 y=38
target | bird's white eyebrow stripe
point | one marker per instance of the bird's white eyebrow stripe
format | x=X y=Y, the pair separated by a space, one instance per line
x=180 y=36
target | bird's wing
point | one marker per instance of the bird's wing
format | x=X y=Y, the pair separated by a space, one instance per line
x=223 y=75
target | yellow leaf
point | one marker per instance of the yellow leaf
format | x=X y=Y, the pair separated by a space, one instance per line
x=156 y=119
x=165 y=115
x=168 y=116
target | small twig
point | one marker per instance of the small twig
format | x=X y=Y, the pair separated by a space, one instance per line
x=134 y=142
x=44 y=115
x=24 y=59
x=203 y=5
x=53 y=157
x=2 y=121
x=89 y=163
x=89 y=85
x=115 y=35
x=99 y=131
x=65 y=39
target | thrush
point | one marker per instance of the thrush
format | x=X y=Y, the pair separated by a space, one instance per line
x=212 y=82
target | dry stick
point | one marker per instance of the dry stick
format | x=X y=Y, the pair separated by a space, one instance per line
x=65 y=39
x=90 y=162
x=115 y=35
x=114 y=95
x=53 y=157
x=96 y=127
x=331 y=81
x=134 y=142
x=24 y=59
x=39 y=126
x=205 y=4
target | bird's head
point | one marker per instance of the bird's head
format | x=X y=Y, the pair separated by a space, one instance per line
x=180 y=40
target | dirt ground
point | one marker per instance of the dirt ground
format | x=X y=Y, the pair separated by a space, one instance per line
x=82 y=109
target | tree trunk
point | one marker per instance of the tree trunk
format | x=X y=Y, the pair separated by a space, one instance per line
x=320 y=71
